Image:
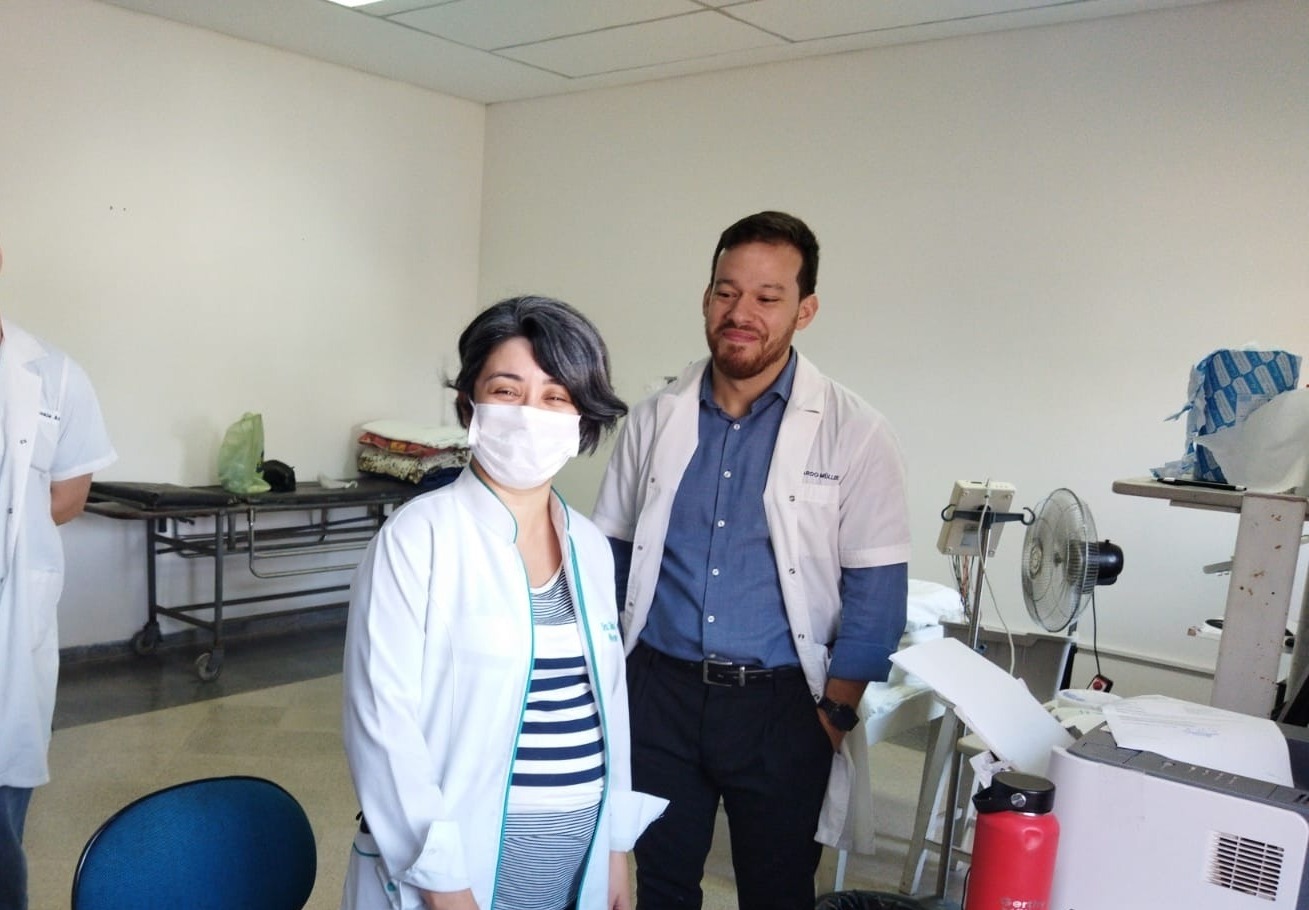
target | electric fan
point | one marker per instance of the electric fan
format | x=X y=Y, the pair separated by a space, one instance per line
x=1063 y=562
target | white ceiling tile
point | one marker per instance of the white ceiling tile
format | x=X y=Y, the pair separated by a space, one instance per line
x=390 y=7
x=603 y=48
x=490 y=24
x=806 y=20
x=698 y=35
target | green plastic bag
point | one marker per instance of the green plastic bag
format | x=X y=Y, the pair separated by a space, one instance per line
x=241 y=454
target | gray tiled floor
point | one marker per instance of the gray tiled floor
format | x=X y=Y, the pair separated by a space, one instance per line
x=130 y=725
x=125 y=684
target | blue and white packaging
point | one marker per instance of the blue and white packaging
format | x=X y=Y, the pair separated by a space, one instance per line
x=1225 y=388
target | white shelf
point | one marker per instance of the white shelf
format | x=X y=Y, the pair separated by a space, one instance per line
x=1258 y=593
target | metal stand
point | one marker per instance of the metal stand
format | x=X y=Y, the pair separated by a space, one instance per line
x=986 y=517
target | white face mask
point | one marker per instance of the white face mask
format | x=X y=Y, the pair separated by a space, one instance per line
x=522 y=447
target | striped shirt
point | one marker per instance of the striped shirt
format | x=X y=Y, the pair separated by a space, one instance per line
x=559 y=767
x=559 y=764
x=541 y=859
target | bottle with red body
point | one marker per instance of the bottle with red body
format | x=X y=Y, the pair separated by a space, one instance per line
x=1013 y=845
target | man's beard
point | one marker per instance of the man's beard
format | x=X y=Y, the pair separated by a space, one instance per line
x=736 y=361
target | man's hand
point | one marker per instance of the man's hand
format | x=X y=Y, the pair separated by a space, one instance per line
x=835 y=735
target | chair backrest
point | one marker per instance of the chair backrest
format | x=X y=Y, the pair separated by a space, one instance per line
x=221 y=843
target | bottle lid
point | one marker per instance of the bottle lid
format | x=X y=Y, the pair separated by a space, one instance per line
x=1013 y=791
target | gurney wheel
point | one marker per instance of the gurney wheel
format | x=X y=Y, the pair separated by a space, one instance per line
x=144 y=641
x=207 y=667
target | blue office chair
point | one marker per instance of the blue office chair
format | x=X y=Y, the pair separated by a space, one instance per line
x=221 y=843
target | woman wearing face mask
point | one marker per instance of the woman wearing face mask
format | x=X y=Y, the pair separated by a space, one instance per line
x=485 y=712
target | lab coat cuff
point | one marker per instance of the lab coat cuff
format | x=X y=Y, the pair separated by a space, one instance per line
x=629 y=814
x=871 y=557
x=441 y=865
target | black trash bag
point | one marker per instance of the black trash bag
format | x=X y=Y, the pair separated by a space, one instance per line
x=279 y=476
x=866 y=900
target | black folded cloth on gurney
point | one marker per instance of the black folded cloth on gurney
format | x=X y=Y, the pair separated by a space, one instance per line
x=175 y=496
x=161 y=495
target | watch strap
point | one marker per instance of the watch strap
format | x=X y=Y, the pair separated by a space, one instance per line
x=844 y=717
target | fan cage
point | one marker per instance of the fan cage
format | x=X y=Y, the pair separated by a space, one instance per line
x=1060 y=560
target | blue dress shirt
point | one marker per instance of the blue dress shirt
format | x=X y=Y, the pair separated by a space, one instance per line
x=718 y=594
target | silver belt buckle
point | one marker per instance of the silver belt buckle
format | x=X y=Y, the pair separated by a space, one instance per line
x=704 y=673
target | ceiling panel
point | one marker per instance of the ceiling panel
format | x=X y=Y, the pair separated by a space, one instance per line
x=503 y=50
x=807 y=20
x=389 y=7
x=690 y=37
x=829 y=18
x=491 y=24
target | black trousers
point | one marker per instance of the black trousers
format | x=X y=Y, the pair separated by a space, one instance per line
x=757 y=748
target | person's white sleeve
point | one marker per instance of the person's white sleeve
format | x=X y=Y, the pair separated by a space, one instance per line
x=616 y=505
x=874 y=527
x=420 y=843
x=83 y=446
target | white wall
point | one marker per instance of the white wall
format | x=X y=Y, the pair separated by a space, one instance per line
x=1028 y=239
x=211 y=226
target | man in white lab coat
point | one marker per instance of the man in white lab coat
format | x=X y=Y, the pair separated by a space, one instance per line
x=759 y=522
x=52 y=438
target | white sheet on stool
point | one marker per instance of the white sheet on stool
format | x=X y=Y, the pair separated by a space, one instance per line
x=994 y=705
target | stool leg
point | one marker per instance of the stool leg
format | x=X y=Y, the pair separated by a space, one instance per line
x=934 y=766
x=967 y=815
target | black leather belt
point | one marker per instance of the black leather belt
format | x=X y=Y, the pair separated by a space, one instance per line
x=724 y=672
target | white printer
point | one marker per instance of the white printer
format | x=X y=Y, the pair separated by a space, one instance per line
x=1138 y=830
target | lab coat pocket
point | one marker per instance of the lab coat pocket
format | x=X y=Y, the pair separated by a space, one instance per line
x=817 y=553
x=836 y=821
x=41 y=601
x=43 y=449
x=821 y=494
x=818 y=515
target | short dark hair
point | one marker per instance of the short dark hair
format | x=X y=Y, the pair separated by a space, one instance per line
x=775 y=228
x=565 y=344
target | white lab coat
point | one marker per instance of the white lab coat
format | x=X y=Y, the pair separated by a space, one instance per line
x=52 y=430
x=437 y=662
x=835 y=498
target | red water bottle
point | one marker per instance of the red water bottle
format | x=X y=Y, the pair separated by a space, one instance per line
x=1014 y=844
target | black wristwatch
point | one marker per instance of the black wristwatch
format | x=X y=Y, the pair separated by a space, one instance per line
x=843 y=717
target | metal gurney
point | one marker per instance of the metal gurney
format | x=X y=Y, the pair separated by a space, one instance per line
x=270 y=529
